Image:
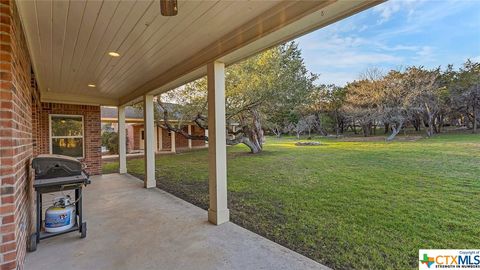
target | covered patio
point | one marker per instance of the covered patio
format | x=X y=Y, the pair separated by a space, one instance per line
x=62 y=60
x=137 y=228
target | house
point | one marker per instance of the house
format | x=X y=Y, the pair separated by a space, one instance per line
x=60 y=61
x=164 y=139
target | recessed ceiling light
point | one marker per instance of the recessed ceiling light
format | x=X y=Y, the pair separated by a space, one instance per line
x=92 y=85
x=114 y=54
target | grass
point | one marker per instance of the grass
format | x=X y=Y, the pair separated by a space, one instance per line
x=345 y=204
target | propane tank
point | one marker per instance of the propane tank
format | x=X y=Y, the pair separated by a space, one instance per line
x=61 y=216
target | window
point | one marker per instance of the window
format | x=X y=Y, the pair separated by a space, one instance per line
x=66 y=135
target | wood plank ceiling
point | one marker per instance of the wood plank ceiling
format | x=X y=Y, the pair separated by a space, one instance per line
x=70 y=41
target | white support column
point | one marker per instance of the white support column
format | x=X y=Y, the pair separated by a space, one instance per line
x=160 y=139
x=155 y=137
x=218 y=212
x=190 y=133
x=149 y=141
x=122 y=140
x=173 y=147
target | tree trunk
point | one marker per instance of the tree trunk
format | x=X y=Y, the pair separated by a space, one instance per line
x=441 y=123
x=395 y=131
x=254 y=148
x=429 y=129
x=366 y=130
x=277 y=132
x=387 y=128
x=474 y=119
x=430 y=126
x=416 y=125
x=430 y=118
x=251 y=136
x=256 y=133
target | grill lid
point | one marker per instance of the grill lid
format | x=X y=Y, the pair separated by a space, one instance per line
x=52 y=166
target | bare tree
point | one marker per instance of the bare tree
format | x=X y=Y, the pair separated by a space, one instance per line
x=464 y=88
x=298 y=127
x=423 y=95
x=394 y=109
x=311 y=122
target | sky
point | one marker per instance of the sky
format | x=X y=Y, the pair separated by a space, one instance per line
x=393 y=35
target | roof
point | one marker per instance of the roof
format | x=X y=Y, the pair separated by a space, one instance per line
x=130 y=112
x=136 y=113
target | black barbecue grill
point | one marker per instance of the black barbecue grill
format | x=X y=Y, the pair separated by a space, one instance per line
x=55 y=173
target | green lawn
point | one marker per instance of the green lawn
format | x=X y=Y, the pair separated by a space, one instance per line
x=345 y=204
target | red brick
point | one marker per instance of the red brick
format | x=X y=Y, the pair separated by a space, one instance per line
x=6 y=95
x=9 y=265
x=8 y=219
x=10 y=256
x=5 y=10
x=7 y=180
x=8 y=237
x=4 y=18
x=8 y=247
x=7 y=228
x=7 y=209
x=92 y=136
x=8 y=199
x=24 y=133
x=6 y=57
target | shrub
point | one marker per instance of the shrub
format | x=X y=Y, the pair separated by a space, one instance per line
x=110 y=140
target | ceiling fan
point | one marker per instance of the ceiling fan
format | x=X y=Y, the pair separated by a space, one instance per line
x=168 y=7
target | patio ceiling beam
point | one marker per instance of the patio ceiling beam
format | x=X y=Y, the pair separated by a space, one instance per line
x=149 y=141
x=218 y=212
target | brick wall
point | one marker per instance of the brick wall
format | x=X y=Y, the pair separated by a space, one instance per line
x=166 y=140
x=92 y=131
x=23 y=134
x=196 y=130
x=17 y=100
x=180 y=141
x=136 y=136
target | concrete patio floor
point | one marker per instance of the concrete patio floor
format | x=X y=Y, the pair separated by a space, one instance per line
x=130 y=227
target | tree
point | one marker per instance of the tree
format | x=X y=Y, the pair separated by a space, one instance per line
x=464 y=88
x=311 y=122
x=299 y=127
x=326 y=102
x=394 y=109
x=261 y=89
x=292 y=88
x=424 y=94
x=362 y=102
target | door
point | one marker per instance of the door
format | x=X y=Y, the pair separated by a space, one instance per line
x=142 y=139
